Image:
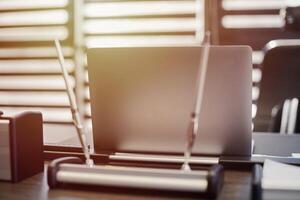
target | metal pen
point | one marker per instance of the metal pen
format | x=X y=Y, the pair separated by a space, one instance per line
x=194 y=121
x=74 y=108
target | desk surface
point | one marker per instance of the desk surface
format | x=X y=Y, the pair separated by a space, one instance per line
x=237 y=186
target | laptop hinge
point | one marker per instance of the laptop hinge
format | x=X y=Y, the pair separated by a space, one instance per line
x=139 y=157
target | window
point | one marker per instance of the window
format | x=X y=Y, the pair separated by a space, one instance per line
x=30 y=77
x=254 y=23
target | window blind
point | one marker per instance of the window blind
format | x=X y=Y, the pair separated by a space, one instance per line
x=254 y=23
x=30 y=77
x=29 y=74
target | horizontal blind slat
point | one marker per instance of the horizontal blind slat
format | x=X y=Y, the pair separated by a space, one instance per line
x=258 y=5
x=31 y=4
x=46 y=17
x=140 y=25
x=31 y=66
x=33 y=52
x=33 y=33
x=160 y=40
x=138 y=8
x=252 y=21
x=34 y=99
x=55 y=82
x=49 y=114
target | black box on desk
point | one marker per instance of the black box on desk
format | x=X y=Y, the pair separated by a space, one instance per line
x=21 y=146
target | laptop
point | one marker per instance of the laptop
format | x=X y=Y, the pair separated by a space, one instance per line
x=142 y=99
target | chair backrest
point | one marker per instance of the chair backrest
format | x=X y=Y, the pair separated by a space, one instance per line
x=285 y=118
x=280 y=78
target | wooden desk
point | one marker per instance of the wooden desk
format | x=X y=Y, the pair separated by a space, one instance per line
x=237 y=186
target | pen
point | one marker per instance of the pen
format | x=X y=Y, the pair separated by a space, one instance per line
x=194 y=123
x=74 y=108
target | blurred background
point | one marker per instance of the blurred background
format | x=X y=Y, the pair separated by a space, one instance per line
x=30 y=77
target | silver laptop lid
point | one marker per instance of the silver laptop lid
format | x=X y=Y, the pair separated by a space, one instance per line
x=142 y=98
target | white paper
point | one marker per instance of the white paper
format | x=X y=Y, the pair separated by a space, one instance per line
x=279 y=176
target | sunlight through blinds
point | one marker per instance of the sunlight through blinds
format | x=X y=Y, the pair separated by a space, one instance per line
x=29 y=72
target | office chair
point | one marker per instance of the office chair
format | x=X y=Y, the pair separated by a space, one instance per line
x=285 y=118
x=280 y=81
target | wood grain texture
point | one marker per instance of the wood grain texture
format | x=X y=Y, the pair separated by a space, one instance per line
x=236 y=186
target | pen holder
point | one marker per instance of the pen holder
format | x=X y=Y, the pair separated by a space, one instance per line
x=21 y=146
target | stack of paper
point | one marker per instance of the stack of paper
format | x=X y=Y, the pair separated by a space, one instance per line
x=280 y=181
